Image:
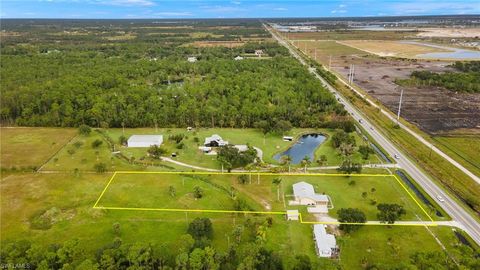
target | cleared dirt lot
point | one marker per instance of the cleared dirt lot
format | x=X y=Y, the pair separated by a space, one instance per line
x=390 y=48
x=433 y=109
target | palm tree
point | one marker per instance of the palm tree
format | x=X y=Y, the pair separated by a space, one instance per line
x=305 y=162
x=277 y=181
x=286 y=160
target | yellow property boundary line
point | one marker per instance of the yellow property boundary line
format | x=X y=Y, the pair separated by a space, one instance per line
x=419 y=223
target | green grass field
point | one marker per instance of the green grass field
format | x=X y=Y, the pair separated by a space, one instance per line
x=465 y=149
x=66 y=201
x=31 y=147
x=132 y=190
x=79 y=154
x=327 y=48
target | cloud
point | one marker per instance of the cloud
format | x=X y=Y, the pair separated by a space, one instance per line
x=236 y=2
x=342 y=6
x=280 y=9
x=173 y=14
x=341 y=11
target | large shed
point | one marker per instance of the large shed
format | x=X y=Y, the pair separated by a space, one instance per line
x=144 y=140
x=325 y=243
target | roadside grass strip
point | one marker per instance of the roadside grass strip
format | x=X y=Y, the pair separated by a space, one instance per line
x=216 y=199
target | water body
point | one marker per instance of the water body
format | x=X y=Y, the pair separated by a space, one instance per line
x=454 y=53
x=417 y=192
x=380 y=153
x=305 y=146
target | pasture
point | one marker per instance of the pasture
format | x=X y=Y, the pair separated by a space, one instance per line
x=221 y=192
x=31 y=147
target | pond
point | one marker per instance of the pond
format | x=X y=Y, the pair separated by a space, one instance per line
x=305 y=146
x=453 y=53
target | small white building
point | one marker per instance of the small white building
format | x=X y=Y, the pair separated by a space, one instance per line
x=325 y=243
x=292 y=215
x=287 y=138
x=238 y=58
x=144 y=140
x=259 y=53
x=304 y=194
x=214 y=141
x=192 y=59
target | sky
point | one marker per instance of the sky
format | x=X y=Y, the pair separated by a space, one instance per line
x=165 y=9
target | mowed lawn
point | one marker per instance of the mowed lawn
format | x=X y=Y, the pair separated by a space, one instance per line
x=270 y=144
x=465 y=149
x=31 y=147
x=152 y=191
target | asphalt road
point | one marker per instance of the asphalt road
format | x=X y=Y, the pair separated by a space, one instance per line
x=459 y=215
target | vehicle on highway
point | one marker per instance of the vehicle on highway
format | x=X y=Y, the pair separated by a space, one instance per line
x=396 y=156
x=440 y=198
x=360 y=121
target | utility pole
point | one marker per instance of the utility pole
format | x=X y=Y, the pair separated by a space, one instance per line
x=399 y=106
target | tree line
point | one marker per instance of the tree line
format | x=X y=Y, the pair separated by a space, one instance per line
x=466 y=79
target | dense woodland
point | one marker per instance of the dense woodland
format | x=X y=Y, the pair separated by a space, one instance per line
x=121 y=75
x=466 y=79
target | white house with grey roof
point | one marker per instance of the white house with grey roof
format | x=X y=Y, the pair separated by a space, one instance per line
x=325 y=243
x=144 y=140
x=304 y=194
x=214 y=141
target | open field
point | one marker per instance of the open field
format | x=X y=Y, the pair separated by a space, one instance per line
x=370 y=245
x=352 y=35
x=228 y=44
x=53 y=208
x=465 y=149
x=390 y=48
x=432 y=109
x=31 y=147
x=151 y=191
x=80 y=154
x=450 y=32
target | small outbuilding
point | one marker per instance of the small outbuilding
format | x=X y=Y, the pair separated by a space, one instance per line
x=287 y=138
x=192 y=59
x=325 y=243
x=238 y=58
x=144 y=140
x=293 y=215
x=259 y=53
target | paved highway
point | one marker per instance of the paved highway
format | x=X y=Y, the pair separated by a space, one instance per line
x=459 y=215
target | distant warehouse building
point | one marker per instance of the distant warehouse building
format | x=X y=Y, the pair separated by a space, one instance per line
x=144 y=140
